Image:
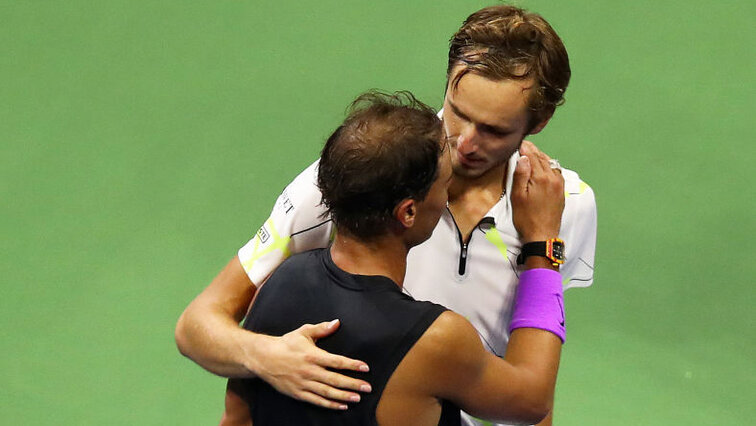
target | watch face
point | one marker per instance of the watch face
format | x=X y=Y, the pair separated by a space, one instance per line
x=555 y=250
x=558 y=250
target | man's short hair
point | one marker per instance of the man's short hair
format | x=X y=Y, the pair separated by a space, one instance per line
x=506 y=42
x=386 y=150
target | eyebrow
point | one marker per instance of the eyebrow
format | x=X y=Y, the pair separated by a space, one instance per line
x=487 y=126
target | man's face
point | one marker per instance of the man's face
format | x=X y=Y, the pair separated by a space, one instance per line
x=486 y=120
x=430 y=209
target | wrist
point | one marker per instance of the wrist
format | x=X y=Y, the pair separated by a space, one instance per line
x=251 y=348
x=539 y=302
x=552 y=250
x=541 y=236
x=539 y=262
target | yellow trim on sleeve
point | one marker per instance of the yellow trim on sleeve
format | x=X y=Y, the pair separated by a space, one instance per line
x=581 y=189
x=279 y=243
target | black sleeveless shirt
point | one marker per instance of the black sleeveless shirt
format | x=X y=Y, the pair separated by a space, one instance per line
x=379 y=325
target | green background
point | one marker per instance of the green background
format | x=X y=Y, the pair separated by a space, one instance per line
x=143 y=142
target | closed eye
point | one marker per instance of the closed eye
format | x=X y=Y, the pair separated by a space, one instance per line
x=495 y=131
x=457 y=112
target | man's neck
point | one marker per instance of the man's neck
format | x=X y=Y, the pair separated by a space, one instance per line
x=471 y=199
x=492 y=182
x=385 y=256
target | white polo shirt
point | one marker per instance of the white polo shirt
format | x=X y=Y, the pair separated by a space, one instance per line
x=477 y=279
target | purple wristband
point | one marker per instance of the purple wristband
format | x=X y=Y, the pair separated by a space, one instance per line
x=539 y=302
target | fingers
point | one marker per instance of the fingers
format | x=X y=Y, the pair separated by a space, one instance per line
x=340 y=381
x=326 y=359
x=318 y=331
x=522 y=175
x=295 y=366
x=539 y=161
x=318 y=400
x=537 y=201
x=329 y=389
x=326 y=389
x=338 y=362
x=331 y=393
x=327 y=362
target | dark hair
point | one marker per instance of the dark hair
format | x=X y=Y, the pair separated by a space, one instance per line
x=386 y=150
x=505 y=42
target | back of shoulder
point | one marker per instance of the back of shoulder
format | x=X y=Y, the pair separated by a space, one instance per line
x=299 y=265
x=452 y=349
x=305 y=185
x=449 y=327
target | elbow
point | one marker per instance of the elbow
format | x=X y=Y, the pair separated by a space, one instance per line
x=535 y=408
x=526 y=415
x=534 y=414
x=531 y=409
x=525 y=411
x=181 y=334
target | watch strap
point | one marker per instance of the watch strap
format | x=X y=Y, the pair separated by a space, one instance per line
x=552 y=249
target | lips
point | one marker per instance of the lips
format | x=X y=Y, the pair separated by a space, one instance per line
x=468 y=162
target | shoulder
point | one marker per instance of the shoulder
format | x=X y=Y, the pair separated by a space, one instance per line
x=302 y=192
x=580 y=197
x=579 y=226
x=442 y=359
x=302 y=260
x=299 y=264
x=452 y=348
x=574 y=185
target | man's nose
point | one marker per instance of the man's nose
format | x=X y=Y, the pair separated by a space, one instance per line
x=466 y=141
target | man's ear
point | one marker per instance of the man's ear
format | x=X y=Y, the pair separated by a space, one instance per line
x=541 y=124
x=405 y=212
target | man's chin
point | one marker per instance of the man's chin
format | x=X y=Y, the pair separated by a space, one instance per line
x=474 y=171
x=467 y=172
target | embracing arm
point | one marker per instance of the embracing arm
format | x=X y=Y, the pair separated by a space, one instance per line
x=208 y=331
x=516 y=389
x=521 y=386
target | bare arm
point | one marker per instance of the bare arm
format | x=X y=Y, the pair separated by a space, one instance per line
x=538 y=207
x=520 y=387
x=208 y=332
x=516 y=389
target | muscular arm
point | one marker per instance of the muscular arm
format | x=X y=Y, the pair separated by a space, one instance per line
x=208 y=332
x=518 y=388
x=521 y=386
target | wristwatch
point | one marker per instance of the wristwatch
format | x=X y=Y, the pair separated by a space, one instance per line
x=552 y=249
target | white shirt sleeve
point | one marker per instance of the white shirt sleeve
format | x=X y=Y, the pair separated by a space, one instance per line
x=578 y=231
x=298 y=223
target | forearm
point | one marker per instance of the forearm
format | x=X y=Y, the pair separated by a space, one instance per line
x=213 y=339
x=521 y=388
x=208 y=331
x=534 y=354
x=538 y=331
